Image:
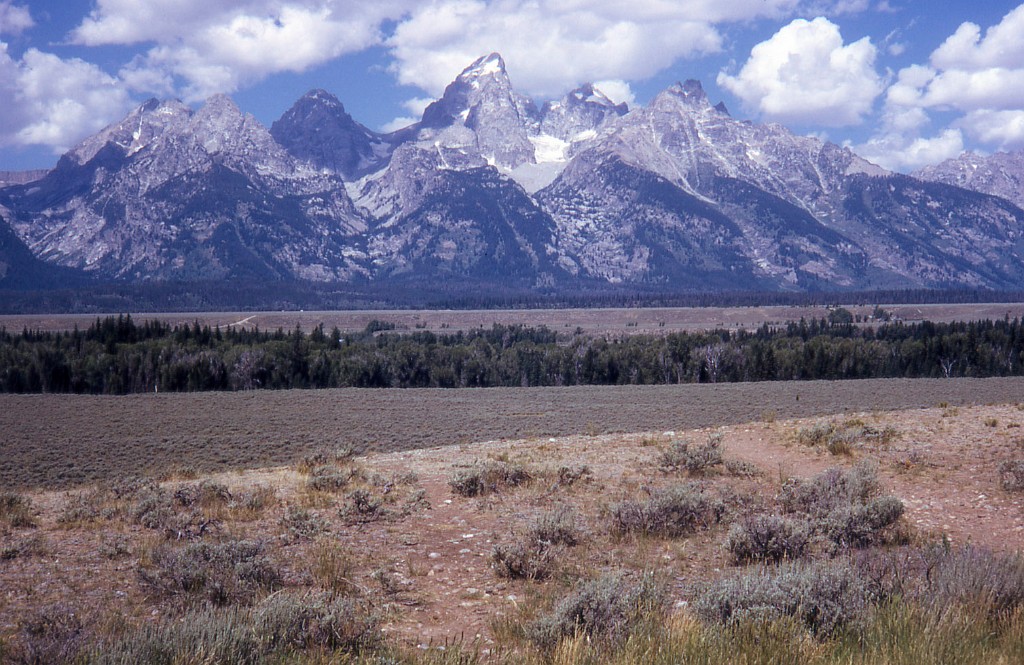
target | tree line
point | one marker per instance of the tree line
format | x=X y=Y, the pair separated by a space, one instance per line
x=115 y=355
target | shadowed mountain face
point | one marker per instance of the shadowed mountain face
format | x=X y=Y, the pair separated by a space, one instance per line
x=491 y=188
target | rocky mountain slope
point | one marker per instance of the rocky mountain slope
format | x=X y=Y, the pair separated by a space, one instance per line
x=490 y=188
x=1000 y=174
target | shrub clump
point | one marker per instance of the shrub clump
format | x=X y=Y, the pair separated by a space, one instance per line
x=975 y=577
x=50 y=634
x=287 y=622
x=488 y=477
x=824 y=596
x=328 y=478
x=831 y=489
x=301 y=524
x=1011 y=475
x=843 y=506
x=16 y=510
x=861 y=525
x=523 y=560
x=840 y=438
x=217 y=573
x=670 y=512
x=604 y=609
x=769 y=538
x=695 y=460
x=206 y=493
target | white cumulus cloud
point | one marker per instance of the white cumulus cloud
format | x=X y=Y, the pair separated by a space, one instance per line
x=976 y=74
x=551 y=46
x=207 y=46
x=55 y=102
x=805 y=73
x=14 y=19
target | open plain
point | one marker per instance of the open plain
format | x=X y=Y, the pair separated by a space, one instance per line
x=66 y=440
x=401 y=536
x=597 y=321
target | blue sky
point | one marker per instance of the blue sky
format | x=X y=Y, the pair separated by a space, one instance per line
x=903 y=82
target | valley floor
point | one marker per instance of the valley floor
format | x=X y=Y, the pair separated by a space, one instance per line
x=422 y=554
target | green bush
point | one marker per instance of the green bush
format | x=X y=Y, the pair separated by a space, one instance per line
x=770 y=538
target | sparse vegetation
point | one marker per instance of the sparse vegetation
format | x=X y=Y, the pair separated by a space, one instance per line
x=769 y=538
x=1011 y=475
x=488 y=477
x=16 y=510
x=695 y=460
x=671 y=512
x=604 y=610
x=224 y=573
x=824 y=597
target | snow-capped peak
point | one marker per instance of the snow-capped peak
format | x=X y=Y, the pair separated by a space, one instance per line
x=488 y=65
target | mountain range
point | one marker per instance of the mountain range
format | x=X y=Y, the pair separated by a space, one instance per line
x=490 y=189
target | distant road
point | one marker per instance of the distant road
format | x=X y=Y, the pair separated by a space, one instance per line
x=614 y=321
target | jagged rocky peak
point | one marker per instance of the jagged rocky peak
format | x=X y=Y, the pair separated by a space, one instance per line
x=482 y=99
x=318 y=130
x=136 y=130
x=583 y=110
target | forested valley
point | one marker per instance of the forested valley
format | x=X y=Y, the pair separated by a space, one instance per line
x=116 y=355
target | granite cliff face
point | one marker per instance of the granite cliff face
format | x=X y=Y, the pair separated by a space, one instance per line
x=490 y=188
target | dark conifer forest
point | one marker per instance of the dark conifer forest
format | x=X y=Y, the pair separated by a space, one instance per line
x=115 y=355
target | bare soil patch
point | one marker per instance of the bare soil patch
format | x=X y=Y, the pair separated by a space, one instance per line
x=59 y=441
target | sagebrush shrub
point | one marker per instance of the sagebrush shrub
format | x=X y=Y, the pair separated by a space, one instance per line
x=16 y=510
x=674 y=511
x=604 y=609
x=301 y=524
x=315 y=620
x=843 y=506
x=833 y=488
x=558 y=527
x=770 y=538
x=1011 y=475
x=488 y=477
x=206 y=493
x=51 y=634
x=207 y=635
x=217 y=573
x=823 y=596
x=974 y=576
x=695 y=460
x=861 y=525
x=523 y=560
